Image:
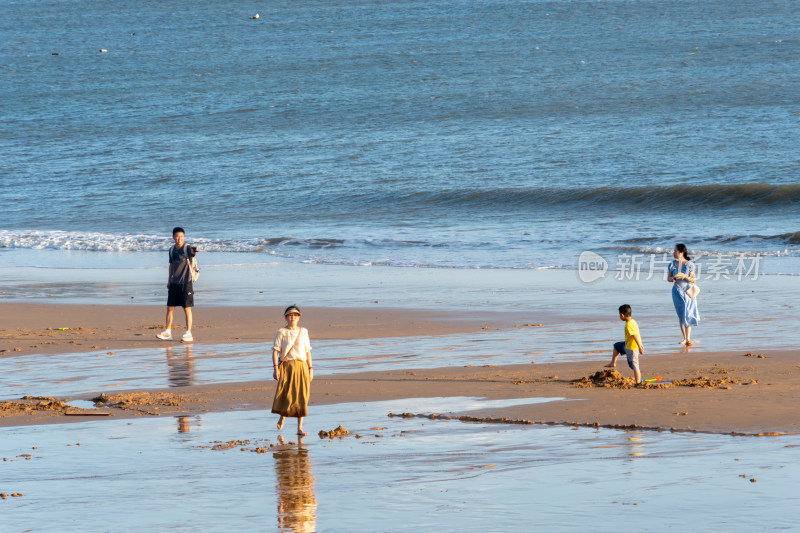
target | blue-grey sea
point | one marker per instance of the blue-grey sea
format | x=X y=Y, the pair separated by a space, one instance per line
x=502 y=134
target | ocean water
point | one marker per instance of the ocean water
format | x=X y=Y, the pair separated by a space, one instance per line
x=502 y=134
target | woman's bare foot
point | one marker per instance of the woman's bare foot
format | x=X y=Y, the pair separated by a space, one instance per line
x=281 y=439
x=689 y=343
x=610 y=366
x=301 y=433
x=280 y=422
x=683 y=342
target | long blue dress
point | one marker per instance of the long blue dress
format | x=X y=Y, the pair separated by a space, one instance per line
x=685 y=307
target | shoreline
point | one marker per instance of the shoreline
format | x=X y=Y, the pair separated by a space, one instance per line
x=756 y=395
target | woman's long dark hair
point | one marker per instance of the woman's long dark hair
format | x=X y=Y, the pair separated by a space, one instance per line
x=682 y=249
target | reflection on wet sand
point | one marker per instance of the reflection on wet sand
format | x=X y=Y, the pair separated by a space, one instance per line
x=181 y=374
x=186 y=423
x=181 y=366
x=636 y=445
x=297 y=504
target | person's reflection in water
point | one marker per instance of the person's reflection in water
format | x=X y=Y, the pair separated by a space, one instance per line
x=297 y=504
x=181 y=366
x=185 y=423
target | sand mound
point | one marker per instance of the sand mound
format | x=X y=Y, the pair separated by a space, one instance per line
x=132 y=399
x=706 y=382
x=45 y=403
x=338 y=432
x=611 y=379
x=230 y=444
x=608 y=378
x=31 y=403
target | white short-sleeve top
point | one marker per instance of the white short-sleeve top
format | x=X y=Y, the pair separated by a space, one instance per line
x=289 y=349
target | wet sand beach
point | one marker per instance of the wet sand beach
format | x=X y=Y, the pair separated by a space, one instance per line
x=738 y=392
x=64 y=328
x=442 y=406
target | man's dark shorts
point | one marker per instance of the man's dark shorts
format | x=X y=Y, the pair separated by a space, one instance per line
x=180 y=295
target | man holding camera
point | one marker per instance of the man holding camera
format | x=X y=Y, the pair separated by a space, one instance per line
x=179 y=284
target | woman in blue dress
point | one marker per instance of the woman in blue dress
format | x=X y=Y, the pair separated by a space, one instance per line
x=682 y=275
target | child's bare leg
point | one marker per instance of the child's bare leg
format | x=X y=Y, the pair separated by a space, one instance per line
x=300 y=431
x=613 y=363
x=637 y=375
x=280 y=422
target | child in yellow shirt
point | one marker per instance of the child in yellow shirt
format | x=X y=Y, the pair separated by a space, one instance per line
x=632 y=347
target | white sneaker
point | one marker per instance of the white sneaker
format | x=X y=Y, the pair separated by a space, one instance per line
x=187 y=337
x=165 y=335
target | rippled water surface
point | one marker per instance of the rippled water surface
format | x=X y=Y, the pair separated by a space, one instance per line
x=404 y=133
x=402 y=474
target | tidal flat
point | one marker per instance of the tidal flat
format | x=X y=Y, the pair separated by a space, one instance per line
x=205 y=473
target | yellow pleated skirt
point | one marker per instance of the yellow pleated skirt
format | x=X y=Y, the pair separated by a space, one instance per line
x=293 y=390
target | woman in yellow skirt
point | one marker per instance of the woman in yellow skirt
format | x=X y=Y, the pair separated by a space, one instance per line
x=291 y=362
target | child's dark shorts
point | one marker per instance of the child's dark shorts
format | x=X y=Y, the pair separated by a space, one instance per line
x=180 y=295
x=632 y=355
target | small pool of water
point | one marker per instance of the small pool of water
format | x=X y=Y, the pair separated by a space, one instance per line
x=82 y=404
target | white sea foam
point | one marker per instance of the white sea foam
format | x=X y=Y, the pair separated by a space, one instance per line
x=122 y=242
x=459 y=254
